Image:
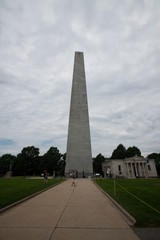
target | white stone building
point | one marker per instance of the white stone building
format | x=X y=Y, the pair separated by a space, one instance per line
x=134 y=167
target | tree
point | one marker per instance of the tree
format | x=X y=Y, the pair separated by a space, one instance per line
x=18 y=166
x=50 y=160
x=6 y=162
x=119 y=152
x=27 y=161
x=61 y=164
x=156 y=157
x=132 y=151
x=97 y=163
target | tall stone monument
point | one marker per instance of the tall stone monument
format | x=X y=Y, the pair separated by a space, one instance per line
x=78 y=156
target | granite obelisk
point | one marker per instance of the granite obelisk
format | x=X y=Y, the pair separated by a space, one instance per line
x=78 y=155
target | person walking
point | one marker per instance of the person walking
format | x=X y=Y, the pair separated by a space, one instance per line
x=45 y=177
x=73 y=179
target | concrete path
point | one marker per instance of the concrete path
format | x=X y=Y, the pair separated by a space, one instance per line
x=65 y=212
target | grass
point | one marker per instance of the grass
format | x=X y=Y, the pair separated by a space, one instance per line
x=16 y=188
x=146 y=189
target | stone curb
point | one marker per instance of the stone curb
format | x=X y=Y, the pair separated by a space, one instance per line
x=128 y=218
x=26 y=198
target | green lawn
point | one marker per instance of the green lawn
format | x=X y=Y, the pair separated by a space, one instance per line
x=16 y=188
x=147 y=190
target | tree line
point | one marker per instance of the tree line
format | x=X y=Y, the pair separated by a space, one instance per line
x=121 y=153
x=28 y=161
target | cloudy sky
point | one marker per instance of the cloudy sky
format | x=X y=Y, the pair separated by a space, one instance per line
x=121 y=45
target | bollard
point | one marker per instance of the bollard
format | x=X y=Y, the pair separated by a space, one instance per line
x=114 y=188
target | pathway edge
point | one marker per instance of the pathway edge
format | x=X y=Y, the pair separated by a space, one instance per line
x=27 y=198
x=128 y=218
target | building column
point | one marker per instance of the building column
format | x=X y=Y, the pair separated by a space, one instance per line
x=128 y=170
x=146 y=170
x=136 y=169
x=132 y=169
x=105 y=171
x=140 y=170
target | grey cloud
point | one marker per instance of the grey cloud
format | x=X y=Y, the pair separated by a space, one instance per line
x=120 y=44
x=4 y=142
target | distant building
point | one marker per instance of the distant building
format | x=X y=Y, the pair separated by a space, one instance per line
x=134 y=167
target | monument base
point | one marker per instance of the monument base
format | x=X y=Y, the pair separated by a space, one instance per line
x=79 y=174
x=9 y=174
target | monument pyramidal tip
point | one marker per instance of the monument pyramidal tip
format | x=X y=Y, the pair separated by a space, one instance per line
x=78 y=155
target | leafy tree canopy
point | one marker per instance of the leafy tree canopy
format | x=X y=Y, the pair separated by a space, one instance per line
x=6 y=162
x=132 y=151
x=27 y=161
x=51 y=159
x=30 y=152
x=155 y=156
x=119 y=152
x=97 y=163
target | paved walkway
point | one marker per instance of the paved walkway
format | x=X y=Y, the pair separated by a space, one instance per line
x=64 y=212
